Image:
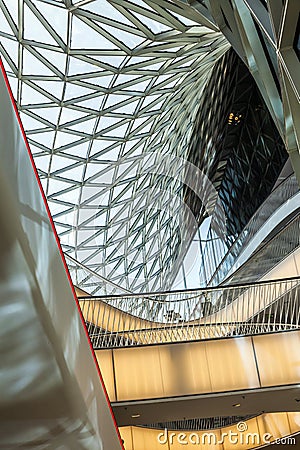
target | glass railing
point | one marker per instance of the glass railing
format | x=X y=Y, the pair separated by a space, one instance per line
x=218 y=260
x=269 y=255
x=153 y=318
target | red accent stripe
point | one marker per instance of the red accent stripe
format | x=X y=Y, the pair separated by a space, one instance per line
x=59 y=245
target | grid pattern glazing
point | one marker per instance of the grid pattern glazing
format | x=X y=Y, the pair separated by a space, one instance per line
x=102 y=86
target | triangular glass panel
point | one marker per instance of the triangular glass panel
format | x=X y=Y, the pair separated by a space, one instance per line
x=105 y=177
x=50 y=113
x=130 y=40
x=54 y=87
x=75 y=90
x=58 y=208
x=138 y=87
x=29 y=123
x=85 y=37
x=86 y=126
x=154 y=25
x=30 y=96
x=118 y=132
x=13 y=82
x=63 y=139
x=112 y=60
x=73 y=174
x=113 y=99
x=55 y=186
x=80 y=67
x=32 y=65
x=86 y=218
x=111 y=155
x=92 y=104
x=61 y=17
x=42 y=162
x=59 y=162
x=100 y=220
x=34 y=30
x=89 y=192
x=76 y=151
x=129 y=108
x=71 y=196
x=11 y=46
x=101 y=82
x=98 y=149
x=56 y=58
x=5 y=27
x=68 y=114
x=45 y=138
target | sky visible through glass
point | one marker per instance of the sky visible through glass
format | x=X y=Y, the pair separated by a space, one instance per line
x=102 y=86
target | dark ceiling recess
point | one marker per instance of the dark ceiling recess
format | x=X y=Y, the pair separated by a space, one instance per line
x=199 y=423
x=236 y=144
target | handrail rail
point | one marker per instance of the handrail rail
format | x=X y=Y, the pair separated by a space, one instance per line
x=187 y=291
x=209 y=313
x=260 y=325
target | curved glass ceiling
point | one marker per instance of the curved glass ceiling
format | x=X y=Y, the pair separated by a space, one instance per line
x=105 y=89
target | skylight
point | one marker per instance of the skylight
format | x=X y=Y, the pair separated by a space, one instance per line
x=101 y=85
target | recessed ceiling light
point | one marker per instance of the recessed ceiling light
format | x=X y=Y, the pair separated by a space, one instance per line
x=135 y=416
x=237 y=405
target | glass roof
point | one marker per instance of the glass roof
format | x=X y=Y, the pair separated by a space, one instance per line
x=106 y=91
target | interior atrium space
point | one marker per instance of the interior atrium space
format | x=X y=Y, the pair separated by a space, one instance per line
x=150 y=223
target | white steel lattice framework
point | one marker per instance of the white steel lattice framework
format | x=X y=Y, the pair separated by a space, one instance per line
x=102 y=86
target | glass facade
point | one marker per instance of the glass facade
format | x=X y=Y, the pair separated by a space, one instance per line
x=148 y=134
